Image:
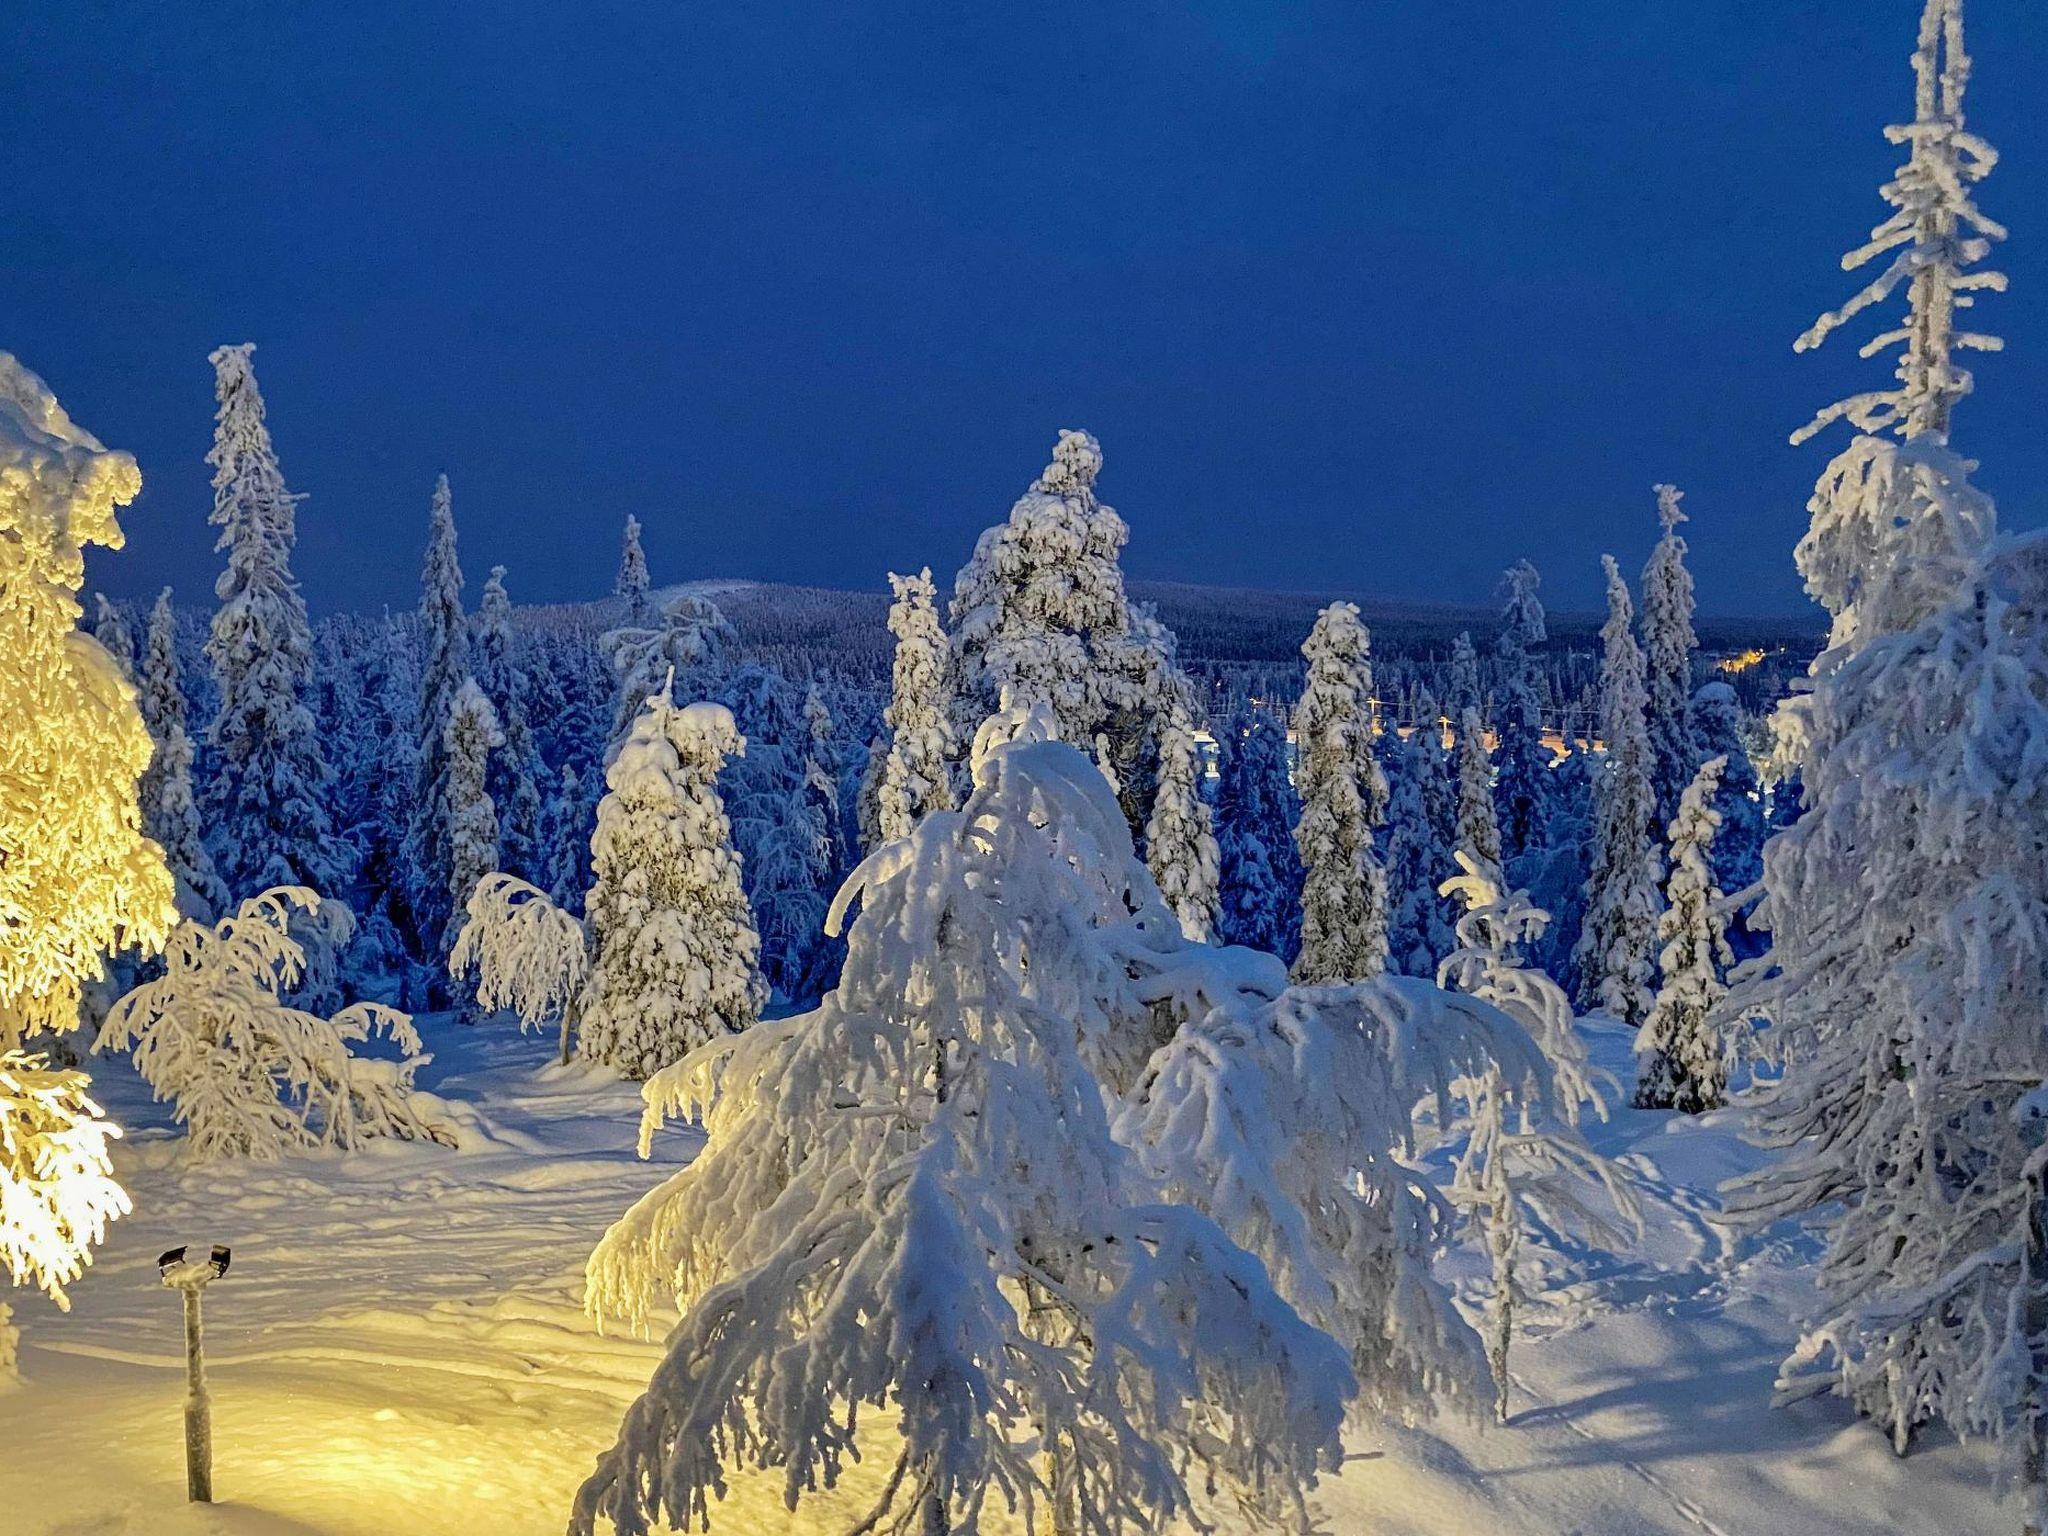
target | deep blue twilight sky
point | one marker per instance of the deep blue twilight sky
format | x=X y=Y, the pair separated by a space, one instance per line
x=1359 y=295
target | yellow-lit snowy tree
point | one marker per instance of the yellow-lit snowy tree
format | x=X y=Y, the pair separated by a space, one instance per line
x=77 y=877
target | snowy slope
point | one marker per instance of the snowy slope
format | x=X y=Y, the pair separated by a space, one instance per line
x=399 y=1339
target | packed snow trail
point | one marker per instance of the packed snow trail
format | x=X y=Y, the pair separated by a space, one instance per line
x=400 y=1336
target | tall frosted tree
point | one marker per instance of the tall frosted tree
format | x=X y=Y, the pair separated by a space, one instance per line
x=674 y=953
x=110 y=628
x=1478 y=822
x=1668 y=646
x=1738 y=859
x=1180 y=841
x=469 y=739
x=1521 y=762
x=444 y=673
x=1462 y=690
x=632 y=584
x=516 y=770
x=266 y=803
x=170 y=813
x=1040 y=615
x=1343 y=797
x=1616 y=957
x=1682 y=1065
x=915 y=776
x=79 y=878
x=1256 y=809
x=1908 y=905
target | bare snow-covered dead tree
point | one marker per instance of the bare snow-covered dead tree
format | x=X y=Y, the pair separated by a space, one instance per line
x=916 y=773
x=1684 y=1064
x=911 y=1201
x=250 y=1076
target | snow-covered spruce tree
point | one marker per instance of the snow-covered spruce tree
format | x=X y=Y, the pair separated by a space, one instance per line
x=1682 y=1063
x=789 y=865
x=516 y=770
x=683 y=641
x=1256 y=808
x=1418 y=936
x=1343 y=797
x=1616 y=957
x=1478 y=826
x=1039 y=613
x=1463 y=690
x=911 y=1201
x=1668 y=644
x=471 y=736
x=170 y=814
x=867 y=797
x=674 y=952
x=632 y=585
x=266 y=805
x=250 y=1076
x=1180 y=840
x=79 y=878
x=1521 y=762
x=567 y=872
x=1908 y=905
x=1738 y=857
x=444 y=673
x=915 y=775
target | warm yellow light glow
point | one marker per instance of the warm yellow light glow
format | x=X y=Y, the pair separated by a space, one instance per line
x=57 y=1189
x=78 y=878
x=1740 y=663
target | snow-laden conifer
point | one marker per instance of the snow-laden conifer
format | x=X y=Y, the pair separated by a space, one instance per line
x=78 y=877
x=249 y=1076
x=1478 y=827
x=1343 y=797
x=1462 y=689
x=632 y=584
x=1668 y=644
x=1738 y=859
x=266 y=803
x=1908 y=904
x=1616 y=957
x=516 y=770
x=471 y=736
x=1039 y=612
x=915 y=775
x=444 y=674
x=1683 y=1064
x=567 y=870
x=1180 y=841
x=675 y=955
x=1521 y=761
x=110 y=628
x=170 y=813
x=681 y=643
x=913 y=1232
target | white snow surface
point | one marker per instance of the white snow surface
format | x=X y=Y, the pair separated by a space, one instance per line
x=400 y=1345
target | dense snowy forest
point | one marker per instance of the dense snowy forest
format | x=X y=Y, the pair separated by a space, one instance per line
x=1105 y=1052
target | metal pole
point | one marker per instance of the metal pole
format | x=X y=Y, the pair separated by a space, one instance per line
x=198 y=1407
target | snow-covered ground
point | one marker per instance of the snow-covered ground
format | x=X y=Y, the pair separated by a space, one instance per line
x=399 y=1347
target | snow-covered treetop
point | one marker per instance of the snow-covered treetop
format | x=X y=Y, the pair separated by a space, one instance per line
x=1938 y=234
x=58 y=490
x=251 y=506
x=1521 y=612
x=632 y=583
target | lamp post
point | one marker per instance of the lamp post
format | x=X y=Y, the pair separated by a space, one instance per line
x=190 y=1271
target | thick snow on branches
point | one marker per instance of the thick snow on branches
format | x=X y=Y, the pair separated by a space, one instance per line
x=1343 y=797
x=675 y=956
x=911 y=1200
x=1616 y=956
x=266 y=804
x=78 y=878
x=1683 y=1063
x=1180 y=841
x=170 y=811
x=916 y=772
x=249 y=1076
x=1668 y=646
x=57 y=1189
